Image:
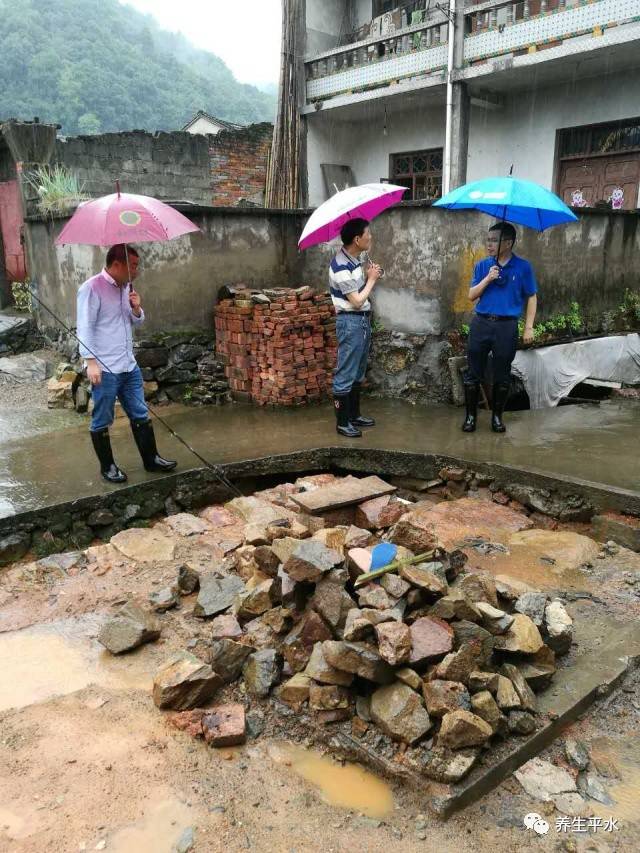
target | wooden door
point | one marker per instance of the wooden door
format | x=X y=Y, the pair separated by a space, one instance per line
x=11 y=223
x=612 y=180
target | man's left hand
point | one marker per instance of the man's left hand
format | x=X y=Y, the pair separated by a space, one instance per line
x=134 y=301
x=527 y=337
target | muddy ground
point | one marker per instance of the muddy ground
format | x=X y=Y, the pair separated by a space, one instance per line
x=87 y=762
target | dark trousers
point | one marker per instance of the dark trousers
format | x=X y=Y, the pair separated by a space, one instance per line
x=498 y=337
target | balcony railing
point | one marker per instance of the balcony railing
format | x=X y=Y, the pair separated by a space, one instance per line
x=507 y=28
x=410 y=52
x=492 y=29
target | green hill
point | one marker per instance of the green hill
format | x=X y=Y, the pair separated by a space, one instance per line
x=94 y=65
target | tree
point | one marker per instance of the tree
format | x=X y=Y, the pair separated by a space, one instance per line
x=89 y=123
x=94 y=65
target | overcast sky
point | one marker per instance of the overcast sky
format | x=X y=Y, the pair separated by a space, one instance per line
x=246 y=35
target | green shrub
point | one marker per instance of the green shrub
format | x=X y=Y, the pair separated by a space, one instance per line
x=631 y=305
x=57 y=188
x=21 y=295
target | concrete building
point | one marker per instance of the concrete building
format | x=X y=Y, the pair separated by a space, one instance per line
x=207 y=124
x=432 y=97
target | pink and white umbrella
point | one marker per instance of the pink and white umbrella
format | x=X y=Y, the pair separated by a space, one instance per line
x=124 y=218
x=364 y=202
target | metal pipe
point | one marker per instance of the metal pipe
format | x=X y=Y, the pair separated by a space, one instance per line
x=448 y=139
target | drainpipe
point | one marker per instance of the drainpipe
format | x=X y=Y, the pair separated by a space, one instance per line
x=448 y=139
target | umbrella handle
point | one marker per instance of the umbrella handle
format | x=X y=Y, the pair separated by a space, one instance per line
x=370 y=260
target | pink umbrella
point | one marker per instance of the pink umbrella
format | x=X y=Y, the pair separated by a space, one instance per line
x=366 y=202
x=124 y=218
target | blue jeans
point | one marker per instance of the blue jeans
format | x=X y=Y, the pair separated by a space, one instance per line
x=354 y=341
x=126 y=387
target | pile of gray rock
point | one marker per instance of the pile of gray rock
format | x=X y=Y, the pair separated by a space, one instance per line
x=18 y=334
x=175 y=367
x=428 y=664
x=182 y=367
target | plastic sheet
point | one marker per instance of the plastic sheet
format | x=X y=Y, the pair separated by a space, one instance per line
x=550 y=373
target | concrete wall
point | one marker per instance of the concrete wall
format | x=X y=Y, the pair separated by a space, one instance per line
x=325 y=21
x=328 y=142
x=522 y=132
x=181 y=278
x=362 y=12
x=165 y=165
x=428 y=255
x=362 y=144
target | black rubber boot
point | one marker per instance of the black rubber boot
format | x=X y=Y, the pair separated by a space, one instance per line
x=471 y=394
x=499 y=402
x=355 y=417
x=343 y=425
x=146 y=440
x=108 y=468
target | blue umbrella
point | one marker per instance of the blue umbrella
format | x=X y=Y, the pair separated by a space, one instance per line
x=510 y=199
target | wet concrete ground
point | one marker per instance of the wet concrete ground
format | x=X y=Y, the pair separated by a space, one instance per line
x=592 y=443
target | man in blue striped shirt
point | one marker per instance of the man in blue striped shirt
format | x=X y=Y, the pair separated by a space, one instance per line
x=350 y=292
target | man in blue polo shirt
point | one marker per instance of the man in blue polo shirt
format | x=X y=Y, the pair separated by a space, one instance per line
x=503 y=286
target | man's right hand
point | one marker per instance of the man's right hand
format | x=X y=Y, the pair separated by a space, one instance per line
x=374 y=272
x=94 y=372
x=493 y=273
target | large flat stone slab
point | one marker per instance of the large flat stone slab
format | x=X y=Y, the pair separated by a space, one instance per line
x=351 y=490
x=26 y=367
x=544 y=559
x=468 y=518
x=144 y=545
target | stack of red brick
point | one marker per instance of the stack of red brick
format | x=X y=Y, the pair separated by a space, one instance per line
x=279 y=346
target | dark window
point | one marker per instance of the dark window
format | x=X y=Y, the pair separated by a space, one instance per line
x=381 y=6
x=420 y=171
x=612 y=138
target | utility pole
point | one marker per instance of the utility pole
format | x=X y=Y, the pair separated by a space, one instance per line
x=457 y=111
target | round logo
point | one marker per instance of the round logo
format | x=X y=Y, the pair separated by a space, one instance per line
x=130 y=218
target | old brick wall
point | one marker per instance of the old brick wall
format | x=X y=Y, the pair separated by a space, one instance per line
x=170 y=166
x=238 y=162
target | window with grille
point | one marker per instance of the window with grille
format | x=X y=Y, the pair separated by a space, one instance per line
x=420 y=171
x=612 y=138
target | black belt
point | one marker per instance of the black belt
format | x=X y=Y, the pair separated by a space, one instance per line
x=496 y=318
x=355 y=312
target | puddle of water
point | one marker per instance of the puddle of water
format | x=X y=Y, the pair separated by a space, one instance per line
x=62 y=657
x=348 y=786
x=624 y=759
x=156 y=832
